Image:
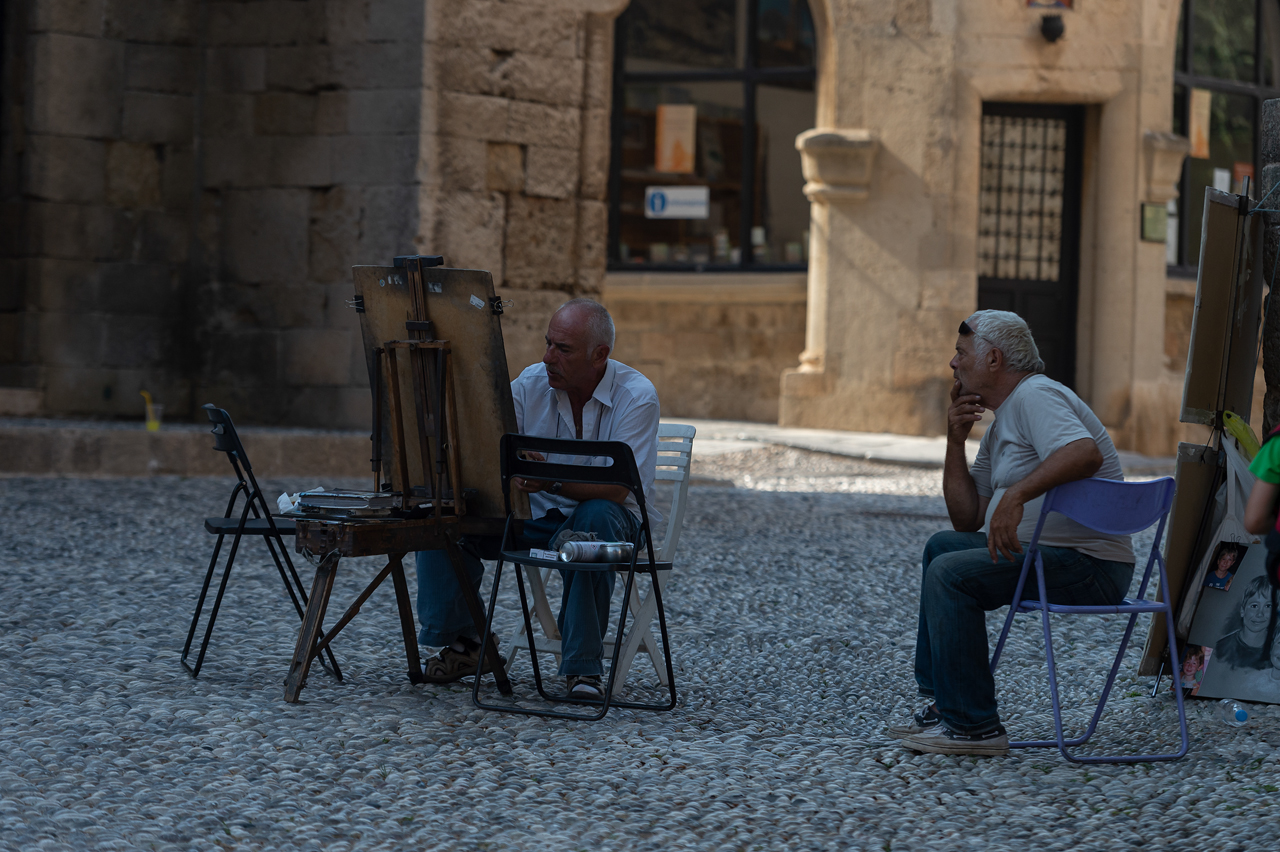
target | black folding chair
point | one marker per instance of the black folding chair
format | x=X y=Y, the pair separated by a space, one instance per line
x=261 y=524
x=621 y=471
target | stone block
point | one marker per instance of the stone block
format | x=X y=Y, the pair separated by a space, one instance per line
x=134 y=342
x=507 y=26
x=76 y=86
x=64 y=285
x=274 y=22
x=396 y=20
x=378 y=65
x=245 y=357
x=72 y=339
x=470 y=231
x=540 y=242
x=504 y=167
x=595 y=154
x=152 y=117
x=331 y=113
x=228 y=115
x=168 y=22
x=1270 y=131
x=474 y=116
x=317 y=356
x=77 y=231
x=597 y=84
x=160 y=68
x=10 y=339
x=284 y=113
x=236 y=161
x=300 y=161
x=359 y=225
x=538 y=124
x=236 y=69
x=133 y=176
x=462 y=164
x=551 y=172
x=265 y=233
x=65 y=168
x=141 y=289
x=383 y=159
x=76 y=17
x=301 y=69
x=14 y=296
x=177 y=174
x=543 y=79
x=593 y=236
x=162 y=237
x=384 y=110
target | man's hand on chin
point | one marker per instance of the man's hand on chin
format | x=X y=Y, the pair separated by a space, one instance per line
x=1002 y=532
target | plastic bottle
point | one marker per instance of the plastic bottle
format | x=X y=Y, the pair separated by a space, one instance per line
x=1232 y=712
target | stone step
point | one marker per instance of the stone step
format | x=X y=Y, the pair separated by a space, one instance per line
x=48 y=447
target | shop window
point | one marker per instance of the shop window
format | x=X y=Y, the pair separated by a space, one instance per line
x=709 y=96
x=1227 y=63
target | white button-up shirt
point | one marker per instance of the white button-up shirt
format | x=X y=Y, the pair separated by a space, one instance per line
x=624 y=408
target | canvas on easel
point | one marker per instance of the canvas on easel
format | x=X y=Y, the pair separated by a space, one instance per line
x=457 y=306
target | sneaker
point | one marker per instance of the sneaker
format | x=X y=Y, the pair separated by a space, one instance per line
x=585 y=687
x=942 y=740
x=450 y=666
x=926 y=718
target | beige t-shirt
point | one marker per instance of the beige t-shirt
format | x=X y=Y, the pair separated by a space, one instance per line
x=1039 y=418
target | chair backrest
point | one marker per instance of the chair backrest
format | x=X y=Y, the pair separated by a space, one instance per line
x=225 y=439
x=622 y=470
x=1111 y=506
x=675 y=451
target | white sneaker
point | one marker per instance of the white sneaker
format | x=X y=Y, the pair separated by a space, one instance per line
x=942 y=740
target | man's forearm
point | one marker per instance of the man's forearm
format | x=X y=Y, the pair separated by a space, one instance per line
x=959 y=490
x=1077 y=460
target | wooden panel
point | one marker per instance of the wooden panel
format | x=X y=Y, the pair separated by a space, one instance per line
x=485 y=410
x=1228 y=313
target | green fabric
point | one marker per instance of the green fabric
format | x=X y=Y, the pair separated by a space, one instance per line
x=1266 y=464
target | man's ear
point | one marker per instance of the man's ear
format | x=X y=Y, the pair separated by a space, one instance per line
x=995 y=360
x=601 y=355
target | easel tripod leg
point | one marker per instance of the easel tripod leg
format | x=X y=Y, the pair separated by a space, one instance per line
x=406 y=618
x=310 y=631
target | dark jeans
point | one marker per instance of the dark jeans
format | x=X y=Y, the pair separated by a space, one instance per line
x=960 y=585
x=584 y=606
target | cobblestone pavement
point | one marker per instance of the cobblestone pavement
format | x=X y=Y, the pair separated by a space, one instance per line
x=793 y=610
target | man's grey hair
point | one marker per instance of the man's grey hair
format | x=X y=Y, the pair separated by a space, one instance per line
x=600 y=328
x=1008 y=332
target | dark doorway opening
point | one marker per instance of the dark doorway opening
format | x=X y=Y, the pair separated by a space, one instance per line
x=1029 y=223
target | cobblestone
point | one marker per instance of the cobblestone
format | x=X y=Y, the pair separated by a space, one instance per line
x=793 y=611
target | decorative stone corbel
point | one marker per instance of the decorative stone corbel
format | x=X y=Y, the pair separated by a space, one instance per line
x=837 y=164
x=1164 y=153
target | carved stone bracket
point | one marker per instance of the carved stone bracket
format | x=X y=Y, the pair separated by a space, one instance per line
x=1163 y=153
x=837 y=164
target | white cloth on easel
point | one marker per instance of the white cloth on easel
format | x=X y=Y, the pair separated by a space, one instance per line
x=1231 y=499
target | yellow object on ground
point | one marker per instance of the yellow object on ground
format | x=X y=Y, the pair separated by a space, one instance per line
x=154 y=411
x=1235 y=426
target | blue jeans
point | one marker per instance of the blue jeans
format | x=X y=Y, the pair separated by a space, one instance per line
x=960 y=585
x=584 y=607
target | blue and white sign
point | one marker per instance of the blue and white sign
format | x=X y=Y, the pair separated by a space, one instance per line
x=677 y=202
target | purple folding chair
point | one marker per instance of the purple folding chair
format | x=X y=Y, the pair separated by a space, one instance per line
x=1118 y=508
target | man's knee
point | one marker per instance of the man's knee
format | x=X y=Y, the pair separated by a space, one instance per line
x=950 y=541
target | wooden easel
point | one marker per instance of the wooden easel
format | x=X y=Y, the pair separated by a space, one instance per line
x=414 y=396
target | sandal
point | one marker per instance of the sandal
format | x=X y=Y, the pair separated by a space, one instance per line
x=585 y=688
x=450 y=666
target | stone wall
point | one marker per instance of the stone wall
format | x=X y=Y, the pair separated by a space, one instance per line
x=186 y=185
x=713 y=345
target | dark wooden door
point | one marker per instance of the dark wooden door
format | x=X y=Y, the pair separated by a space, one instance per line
x=1029 y=223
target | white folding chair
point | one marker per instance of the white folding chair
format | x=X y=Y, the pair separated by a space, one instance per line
x=675 y=449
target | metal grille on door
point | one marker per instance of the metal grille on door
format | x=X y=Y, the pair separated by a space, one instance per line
x=1020 y=225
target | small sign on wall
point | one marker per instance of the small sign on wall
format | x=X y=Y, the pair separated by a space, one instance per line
x=675 y=145
x=677 y=202
x=1155 y=223
x=1201 y=108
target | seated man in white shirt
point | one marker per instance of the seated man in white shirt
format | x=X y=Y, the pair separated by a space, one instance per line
x=575 y=392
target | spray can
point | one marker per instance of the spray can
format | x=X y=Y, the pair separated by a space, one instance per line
x=596 y=551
